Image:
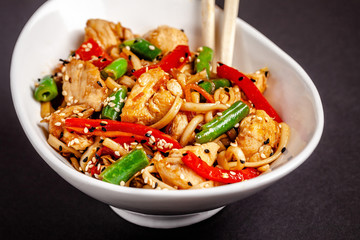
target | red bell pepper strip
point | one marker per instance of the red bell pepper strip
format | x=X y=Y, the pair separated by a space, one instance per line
x=111 y=128
x=217 y=174
x=175 y=59
x=249 y=88
x=91 y=51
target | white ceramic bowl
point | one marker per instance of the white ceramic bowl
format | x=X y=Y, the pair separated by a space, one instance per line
x=57 y=27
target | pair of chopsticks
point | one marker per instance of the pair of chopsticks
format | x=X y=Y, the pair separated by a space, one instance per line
x=231 y=9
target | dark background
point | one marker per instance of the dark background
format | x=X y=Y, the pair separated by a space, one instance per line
x=319 y=200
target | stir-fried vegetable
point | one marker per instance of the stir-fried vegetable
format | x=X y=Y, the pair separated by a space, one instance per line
x=142 y=48
x=46 y=90
x=204 y=59
x=217 y=174
x=91 y=51
x=175 y=59
x=221 y=124
x=115 y=69
x=111 y=128
x=211 y=85
x=117 y=101
x=249 y=88
x=124 y=168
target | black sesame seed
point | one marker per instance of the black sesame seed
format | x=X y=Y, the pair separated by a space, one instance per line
x=129 y=57
x=182 y=30
x=147 y=135
x=201 y=81
x=136 y=40
x=61 y=135
x=197 y=130
x=102 y=123
x=91 y=129
x=143 y=141
x=149 y=156
x=97 y=156
x=253 y=80
x=283 y=149
x=39 y=79
x=184 y=154
x=136 y=141
x=227 y=89
x=99 y=57
x=64 y=62
x=132 y=70
x=156 y=185
x=266 y=73
x=186 y=55
x=166 y=154
x=206 y=150
x=242 y=161
x=132 y=136
x=103 y=169
x=104 y=129
x=101 y=141
x=267 y=141
x=190 y=184
x=241 y=78
x=60 y=148
x=85 y=159
x=220 y=64
x=99 y=83
x=152 y=164
x=103 y=60
x=271 y=154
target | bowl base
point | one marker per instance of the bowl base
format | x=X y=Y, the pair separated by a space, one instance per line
x=164 y=221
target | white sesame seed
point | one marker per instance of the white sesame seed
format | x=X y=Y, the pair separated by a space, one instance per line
x=64 y=93
x=146 y=180
x=198 y=60
x=86 y=130
x=127 y=48
x=262 y=155
x=151 y=47
x=122 y=183
x=117 y=153
x=66 y=77
x=234 y=144
x=225 y=175
x=219 y=113
x=182 y=176
x=89 y=45
x=57 y=124
x=232 y=173
x=182 y=59
x=237 y=125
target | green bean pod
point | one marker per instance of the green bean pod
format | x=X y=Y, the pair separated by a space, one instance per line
x=46 y=90
x=212 y=85
x=221 y=124
x=204 y=59
x=115 y=69
x=142 y=48
x=124 y=168
x=117 y=101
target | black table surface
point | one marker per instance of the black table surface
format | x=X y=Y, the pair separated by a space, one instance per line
x=319 y=200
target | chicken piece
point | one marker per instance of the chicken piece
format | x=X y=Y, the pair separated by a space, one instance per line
x=83 y=85
x=178 y=125
x=258 y=136
x=175 y=88
x=176 y=174
x=56 y=126
x=166 y=38
x=148 y=100
x=207 y=152
x=260 y=78
x=108 y=34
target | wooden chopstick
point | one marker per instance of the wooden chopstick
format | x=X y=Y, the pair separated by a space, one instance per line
x=231 y=9
x=208 y=23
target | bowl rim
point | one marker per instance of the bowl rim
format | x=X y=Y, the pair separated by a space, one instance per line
x=51 y=159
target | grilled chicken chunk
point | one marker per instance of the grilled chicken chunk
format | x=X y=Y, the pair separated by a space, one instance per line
x=176 y=174
x=260 y=78
x=83 y=85
x=108 y=34
x=148 y=100
x=178 y=125
x=56 y=126
x=259 y=135
x=166 y=38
